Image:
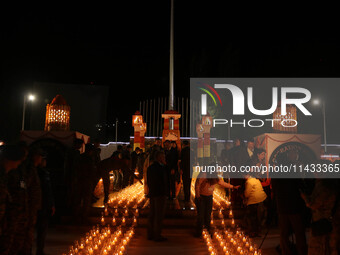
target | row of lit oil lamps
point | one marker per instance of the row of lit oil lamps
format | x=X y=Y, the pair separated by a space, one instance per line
x=101 y=240
x=131 y=196
x=229 y=242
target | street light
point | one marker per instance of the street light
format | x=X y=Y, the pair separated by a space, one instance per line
x=29 y=98
x=323 y=108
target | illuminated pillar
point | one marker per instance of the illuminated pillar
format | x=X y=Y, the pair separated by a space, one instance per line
x=139 y=131
x=142 y=136
x=171 y=131
x=207 y=125
x=200 y=132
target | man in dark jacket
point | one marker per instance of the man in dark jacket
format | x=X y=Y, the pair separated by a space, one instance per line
x=33 y=198
x=171 y=162
x=47 y=207
x=127 y=171
x=10 y=159
x=186 y=170
x=71 y=160
x=290 y=207
x=157 y=181
x=13 y=204
x=85 y=171
x=103 y=171
x=240 y=156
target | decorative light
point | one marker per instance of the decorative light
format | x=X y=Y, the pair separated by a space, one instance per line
x=57 y=115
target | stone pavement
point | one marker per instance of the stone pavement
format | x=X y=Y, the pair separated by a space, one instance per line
x=180 y=241
x=61 y=237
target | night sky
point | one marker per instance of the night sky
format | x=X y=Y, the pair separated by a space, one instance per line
x=126 y=47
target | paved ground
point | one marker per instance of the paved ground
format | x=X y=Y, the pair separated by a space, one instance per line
x=60 y=238
x=180 y=241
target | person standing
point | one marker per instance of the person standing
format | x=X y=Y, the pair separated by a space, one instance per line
x=290 y=207
x=254 y=197
x=140 y=163
x=225 y=154
x=204 y=191
x=47 y=207
x=321 y=202
x=157 y=181
x=259 y=162
x=172 y=163
x=85 y=171
x=116 y=153
x=71 y=161
x=127 y=171
x=157 y=146
x=13 y=199
x=35 y=159
x=240 y=156
x=186 y=170
x=149 y=159
x=103 y=172
x=10 y=159
x=98 y=151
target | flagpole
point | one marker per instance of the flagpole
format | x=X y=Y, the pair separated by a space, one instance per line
x=171 y=71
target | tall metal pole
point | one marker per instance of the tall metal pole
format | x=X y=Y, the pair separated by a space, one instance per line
x=23 y=115
x=324 y=126
x=171 y=73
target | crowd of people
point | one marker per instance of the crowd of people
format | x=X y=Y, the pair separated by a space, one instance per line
x=291 y=203
x=26 y=199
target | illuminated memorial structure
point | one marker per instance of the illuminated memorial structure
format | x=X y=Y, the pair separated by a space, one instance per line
x=139 y=131
x=58 y=115
x=171 y=129
x=57 y=132
x=286 y=137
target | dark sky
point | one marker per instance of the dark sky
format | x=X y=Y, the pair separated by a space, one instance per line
x=126 y=47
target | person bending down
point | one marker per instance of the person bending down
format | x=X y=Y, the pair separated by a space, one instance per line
x=204 y=190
